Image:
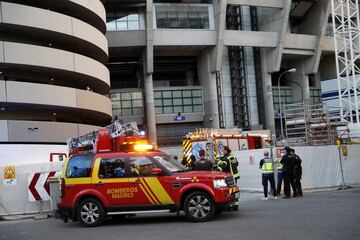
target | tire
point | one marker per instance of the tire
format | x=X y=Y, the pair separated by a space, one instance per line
x=199 y=207
x=90 y=212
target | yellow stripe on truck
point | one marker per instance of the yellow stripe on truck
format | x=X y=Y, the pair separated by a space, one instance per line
x=149 y=192
x=159 y=190
x=146 y=194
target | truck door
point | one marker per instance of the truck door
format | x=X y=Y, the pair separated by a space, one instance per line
x=150 y=189
x=110 y=177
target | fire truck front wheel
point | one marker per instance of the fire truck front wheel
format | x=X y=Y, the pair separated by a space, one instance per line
x=90 y=212
x=199 y=207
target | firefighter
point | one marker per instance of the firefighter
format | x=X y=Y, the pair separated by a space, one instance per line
x=229 y=163
x=288 y=162
x=202 y=164
x=297 y=175
x=267 y=169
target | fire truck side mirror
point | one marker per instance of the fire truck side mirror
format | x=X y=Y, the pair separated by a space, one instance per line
x=157 y=172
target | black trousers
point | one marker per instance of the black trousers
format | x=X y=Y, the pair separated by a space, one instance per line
x=268 y=178
x=289 y=180
x=297 y=183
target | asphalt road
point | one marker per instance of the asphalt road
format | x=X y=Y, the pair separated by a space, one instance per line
x=322 y=215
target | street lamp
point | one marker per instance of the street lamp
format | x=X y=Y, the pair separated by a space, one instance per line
x=292 y=70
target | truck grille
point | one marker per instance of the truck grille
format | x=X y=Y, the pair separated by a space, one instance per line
x=230 y=181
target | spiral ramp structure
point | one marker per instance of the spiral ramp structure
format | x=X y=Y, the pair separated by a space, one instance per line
x=53 y=77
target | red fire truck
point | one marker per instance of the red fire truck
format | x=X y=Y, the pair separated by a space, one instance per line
x=115 y=172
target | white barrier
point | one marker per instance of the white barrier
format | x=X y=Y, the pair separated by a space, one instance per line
x=14 y=199
x=321 y=167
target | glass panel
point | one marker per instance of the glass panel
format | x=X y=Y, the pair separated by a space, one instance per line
x=137 y=103
x=197 y=101
x=168 y=110
x=126 y=104
x=126 y=112
x=136 y=95
x=157 y=94
x=188 y=109
x=167 y=102
x=125 y=96
x=198 y=108
x=138 y=111
x=116 y=112
x=186 y=93
x=141 y=166
x=79 y=166
x=166 y=94
x=178 y=109
x=121 y=25
x=111 y=26
x=115 y=96
x=112 y=168
x=158 y=110
x=176 y=94
x=158 y=102
x=196 y=93
x=133 y=16
x=177 y=101
x=187 y=101
x=116 y=104
x=133 y=25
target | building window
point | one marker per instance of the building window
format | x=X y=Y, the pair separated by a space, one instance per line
x=118 y=20
x=315 y=95
x=182 y=19
x=127 y=103
x=285 y=95
x=174 y=101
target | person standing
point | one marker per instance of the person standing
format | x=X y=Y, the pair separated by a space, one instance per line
x=267 y=169
x=189 y=162
x=202 y=164
x=288 y=162
x=229 y=163
x=297 y=175
x=280 y=175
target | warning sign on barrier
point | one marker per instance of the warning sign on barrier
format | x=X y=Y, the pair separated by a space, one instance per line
x=9 y=175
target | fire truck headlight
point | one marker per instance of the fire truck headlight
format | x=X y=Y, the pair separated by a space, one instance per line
x=219 y=183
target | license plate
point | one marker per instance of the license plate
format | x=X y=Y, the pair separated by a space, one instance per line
x=237 y=195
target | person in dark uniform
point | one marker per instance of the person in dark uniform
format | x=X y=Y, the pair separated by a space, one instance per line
x=288 y=162
x=202 y=164
x=297 y=175
x=229 y=163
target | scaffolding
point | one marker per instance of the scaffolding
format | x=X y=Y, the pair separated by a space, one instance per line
x=237 y=70
x=346 y=27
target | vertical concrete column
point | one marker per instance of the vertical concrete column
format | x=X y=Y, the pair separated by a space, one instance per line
x=299 y=82
x=208 y=82
x=268 y=96
x=150 y=107
x=148 y=58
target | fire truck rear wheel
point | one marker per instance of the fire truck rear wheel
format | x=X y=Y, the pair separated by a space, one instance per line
x=90 y=212
x=199 y=207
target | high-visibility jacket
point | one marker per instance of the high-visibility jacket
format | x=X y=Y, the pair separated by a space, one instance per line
x=267 y=166
x=228 y=163
x=278 y=165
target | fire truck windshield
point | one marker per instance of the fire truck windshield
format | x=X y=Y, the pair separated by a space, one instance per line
x=170 y=164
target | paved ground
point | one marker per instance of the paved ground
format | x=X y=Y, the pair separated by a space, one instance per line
x=322 y=215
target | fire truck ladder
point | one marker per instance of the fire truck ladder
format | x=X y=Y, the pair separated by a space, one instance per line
x=116 y=129
x=237 y=70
